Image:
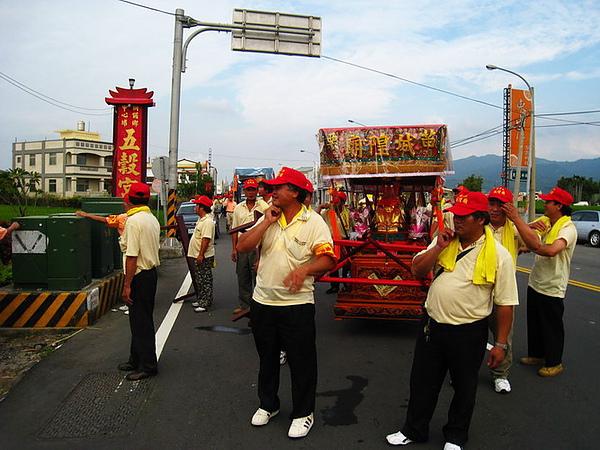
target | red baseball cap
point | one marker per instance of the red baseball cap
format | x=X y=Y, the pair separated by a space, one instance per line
x=339 y=196
x=250 y=183
x=202 y=200
x=460 y=189
x=468 y=202
x=501 y=193
x=139 y=190
x=558 y=195
x=292 y=176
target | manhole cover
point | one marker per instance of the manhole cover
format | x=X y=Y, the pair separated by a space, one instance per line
x=105 y=404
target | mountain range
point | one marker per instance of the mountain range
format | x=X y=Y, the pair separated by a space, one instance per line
x=548 y=172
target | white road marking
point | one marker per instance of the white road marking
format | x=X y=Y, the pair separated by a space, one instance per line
x=167 y=324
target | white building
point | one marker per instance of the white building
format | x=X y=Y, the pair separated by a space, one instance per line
x=78 y=163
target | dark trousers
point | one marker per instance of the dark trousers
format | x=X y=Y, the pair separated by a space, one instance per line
x=204 y=281
x=545 y=329
x=292 y=328
x=458 y=349
x=246 y=275
x=143 y=344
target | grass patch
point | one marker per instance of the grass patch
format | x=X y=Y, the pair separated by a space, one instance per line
x=8 y=212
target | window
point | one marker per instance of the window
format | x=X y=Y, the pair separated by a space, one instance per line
x=32 y=160
x=51 y=185
x=81 y=160
x=82 y=185
x=18 y=160
x=108 y=160
x=52 y=159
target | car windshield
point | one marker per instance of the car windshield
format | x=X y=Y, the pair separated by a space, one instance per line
x=185 y=210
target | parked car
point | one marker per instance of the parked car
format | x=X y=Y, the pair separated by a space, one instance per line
x=588 y=226
x=187 y=210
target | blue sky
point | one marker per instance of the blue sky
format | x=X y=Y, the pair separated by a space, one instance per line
x=260 y=110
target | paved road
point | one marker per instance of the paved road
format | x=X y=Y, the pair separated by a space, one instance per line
x=205 y=393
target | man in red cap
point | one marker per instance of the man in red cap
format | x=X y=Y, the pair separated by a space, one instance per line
x=337 y=218
x=505 y=232
x=471 y=274
x=295 y=246
x=245 y=263
x=140 y=244
x=228 y=206
x=202 y=249
x=553 y=245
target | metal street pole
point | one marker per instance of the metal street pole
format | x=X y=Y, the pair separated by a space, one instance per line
x=174 y=125
x=357 y=123
x=532 y=156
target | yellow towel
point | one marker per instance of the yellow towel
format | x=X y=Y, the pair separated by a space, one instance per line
x=485 y=265
x=553 y=233
x=137 y=209
x=508 y=239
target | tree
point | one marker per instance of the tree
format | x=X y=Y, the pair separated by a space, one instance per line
x=19 y=189
x=579 y=187
x=195 y=184
x=473 y=183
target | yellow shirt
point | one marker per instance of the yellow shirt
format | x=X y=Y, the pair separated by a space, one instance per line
x=550 y=274
x=285 y=247
x=454 y=299
x=141 y=238
x=242 y=215
x=497 y=232
x=205 y=228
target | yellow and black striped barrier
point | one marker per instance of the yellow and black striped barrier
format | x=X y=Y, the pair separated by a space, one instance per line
x=171 y=210
x=590 y=287
x=19 y=309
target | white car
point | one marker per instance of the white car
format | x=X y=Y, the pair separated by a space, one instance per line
x=588 y=226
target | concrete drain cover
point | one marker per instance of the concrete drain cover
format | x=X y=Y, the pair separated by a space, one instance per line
x=101 y=404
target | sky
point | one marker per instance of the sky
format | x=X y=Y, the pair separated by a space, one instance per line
x=252 y=109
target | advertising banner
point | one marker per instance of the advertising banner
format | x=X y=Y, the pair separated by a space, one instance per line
x=520 y=124
x=384 y=151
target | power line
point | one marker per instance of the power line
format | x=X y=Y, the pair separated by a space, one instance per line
x=51 y=100
x=593 y=111
x=147 y=7
x=464 y=97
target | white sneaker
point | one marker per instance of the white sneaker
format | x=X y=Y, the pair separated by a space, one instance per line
x=301 y=426
x=123 y=308
x=199 y=309
x=126 y=313
x=262 y=417
x=397 y=439
x=501 y=385
x=195 y=304
x=451 y=446
x=282 y=357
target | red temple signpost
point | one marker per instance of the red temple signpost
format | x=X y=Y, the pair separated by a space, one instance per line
x=130 y=130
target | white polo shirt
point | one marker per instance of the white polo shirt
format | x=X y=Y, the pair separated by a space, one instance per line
x=285 y=247
x=550 y=274
x=454 y=299
x=205 y=228
x=242 y=215
x=141 y=238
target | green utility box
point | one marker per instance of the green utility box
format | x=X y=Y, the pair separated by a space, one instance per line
x=102 y=246
x=117 y=253
x=103 y=207
x=102 y=249
x=69 y=252
x=30 y=257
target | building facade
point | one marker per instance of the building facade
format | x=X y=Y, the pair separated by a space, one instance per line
x=76 y=164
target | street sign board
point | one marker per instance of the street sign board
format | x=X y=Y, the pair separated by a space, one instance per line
x=513 y=174
x=159 y=168
x=273 y=32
